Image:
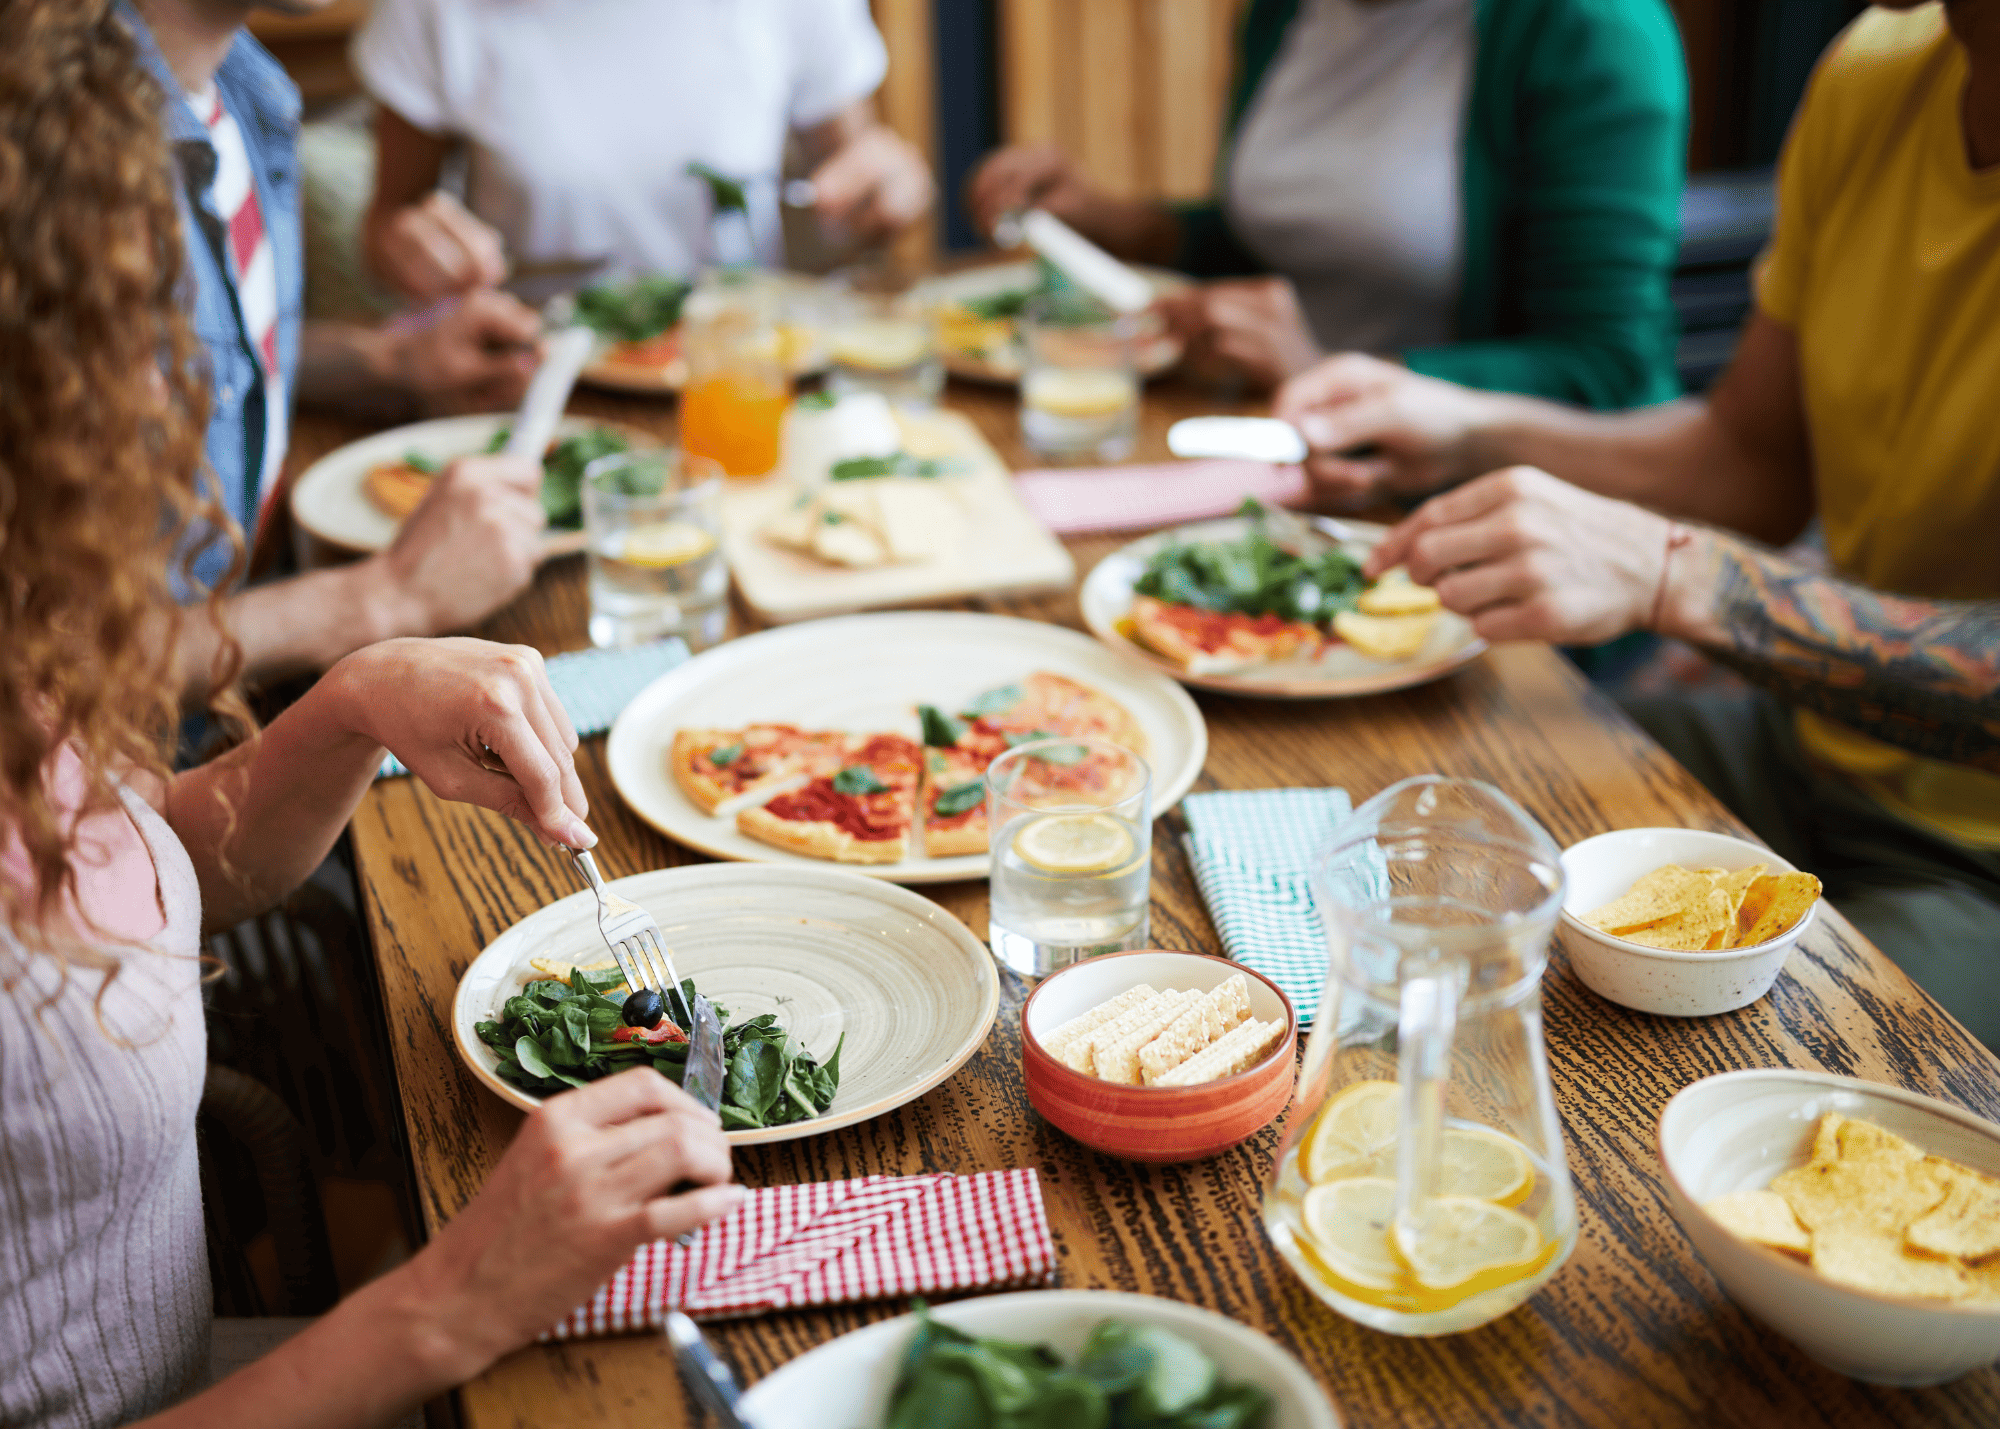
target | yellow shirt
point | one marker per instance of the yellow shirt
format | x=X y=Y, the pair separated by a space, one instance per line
x=1886 y=263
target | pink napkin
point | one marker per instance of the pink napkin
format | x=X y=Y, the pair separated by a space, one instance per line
x=1126 y=498
x=830 y=1242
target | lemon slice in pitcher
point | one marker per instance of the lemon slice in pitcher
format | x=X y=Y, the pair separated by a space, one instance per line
x=1349 y=1225
x=1465 y=1245
x=1074 y=843
x=1355 y=1134
x=665 y=543
x=1484 y=1165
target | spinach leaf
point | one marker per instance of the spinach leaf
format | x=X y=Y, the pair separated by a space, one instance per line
x=755 y=1080
x=939 y=728
x=634 y=311
x=997 y=701
x=1252 y=575
x=960 y=797
x=530 y=1058
x=562 y=472
x=858 y=779
x=724 y=757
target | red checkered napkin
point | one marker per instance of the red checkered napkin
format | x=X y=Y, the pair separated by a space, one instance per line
x=830 y=1242
x=1127 y=498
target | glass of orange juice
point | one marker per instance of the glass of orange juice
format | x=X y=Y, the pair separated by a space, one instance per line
x=737 y=385
x=1421 y=1185
x=1079 y=382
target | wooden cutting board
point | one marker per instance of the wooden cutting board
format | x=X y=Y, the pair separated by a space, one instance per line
x=1005 y=549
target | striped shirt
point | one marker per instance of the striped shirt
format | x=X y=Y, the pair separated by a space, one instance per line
x=253 y=265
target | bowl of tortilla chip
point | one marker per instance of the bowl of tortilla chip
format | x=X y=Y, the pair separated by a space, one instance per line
x=1681 y=922
x=1860 y=1221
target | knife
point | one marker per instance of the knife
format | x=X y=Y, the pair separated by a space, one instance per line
x=703 y=1078
x=705 y=1372
x=1085 y=264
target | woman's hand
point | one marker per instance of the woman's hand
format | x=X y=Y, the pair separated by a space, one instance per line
x=1378 y=430
x=476 y=721
x=434 y=248
x=874 y=186
x=1248 y=329
x=1527 y=557
x=584 y=1184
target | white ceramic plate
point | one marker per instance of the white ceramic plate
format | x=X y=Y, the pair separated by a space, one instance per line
x=329 y=500
x=1157 y=352
x=1337 y=671
x=869 y=672
x=846 y=1382
x=832 y=954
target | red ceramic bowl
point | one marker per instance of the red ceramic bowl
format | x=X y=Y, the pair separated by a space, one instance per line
x=1154 y=1123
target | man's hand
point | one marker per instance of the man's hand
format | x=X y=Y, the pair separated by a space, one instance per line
x=434 y=249
x=1425 y=433
x=1030 y=176
x=1527 y=557
x=873 y=186
x=473 y=355
x=1247 y=329
x=469 y=548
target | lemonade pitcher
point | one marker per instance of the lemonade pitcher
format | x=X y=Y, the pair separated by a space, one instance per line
x=1421 y=1186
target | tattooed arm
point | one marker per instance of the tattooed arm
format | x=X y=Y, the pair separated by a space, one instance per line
x=1527 y=557
x=1920 y=674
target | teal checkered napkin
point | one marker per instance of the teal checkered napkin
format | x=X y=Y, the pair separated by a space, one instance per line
x=595 y=685
x=1253 y=851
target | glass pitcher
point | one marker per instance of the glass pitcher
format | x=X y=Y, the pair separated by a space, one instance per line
x=1421 y=1186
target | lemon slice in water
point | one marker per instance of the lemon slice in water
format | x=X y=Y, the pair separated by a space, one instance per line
x=1074 y=843
x=1349 y=1225
x=1355 y=1134
x=1465 y=1245
x=665 y=543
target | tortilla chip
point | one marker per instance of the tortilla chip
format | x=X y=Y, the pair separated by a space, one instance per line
x=1867 y=1261
x=1396 y=594
x=1701 y=918
x=1384 y=637
x=1877 y=1186
x=1772 y=904
x=1762 y=1218
x=1985 y=1283
x=1660 y=895
x=1966 y=1224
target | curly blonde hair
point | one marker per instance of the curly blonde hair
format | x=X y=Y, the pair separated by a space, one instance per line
x=100 y=438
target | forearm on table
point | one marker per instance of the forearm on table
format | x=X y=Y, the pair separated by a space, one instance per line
x=1923 y=675
x=259 y=819
x=296 y=625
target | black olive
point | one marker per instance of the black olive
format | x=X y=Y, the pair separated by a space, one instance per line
x=643 y=1009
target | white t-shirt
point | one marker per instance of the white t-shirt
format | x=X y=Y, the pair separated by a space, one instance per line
x=583 y=115
x=1344 y=176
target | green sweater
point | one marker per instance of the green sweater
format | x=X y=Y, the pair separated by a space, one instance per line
x=1575 y=135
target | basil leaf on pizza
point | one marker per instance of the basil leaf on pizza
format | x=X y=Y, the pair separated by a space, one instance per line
x=858 y=779
x=940 y=729
x=724 y=757
x=960 y=797
x=993 y=702
x=1026 y=736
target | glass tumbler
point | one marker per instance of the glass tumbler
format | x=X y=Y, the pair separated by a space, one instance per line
x=1421 y=1186
x=737 y=384
x=652 y=525
x=1071 y=834
x=884 y=340
x=1079 y=381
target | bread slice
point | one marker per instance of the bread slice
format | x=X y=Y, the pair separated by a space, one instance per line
x=1096 y=1017
x=1239 y=1050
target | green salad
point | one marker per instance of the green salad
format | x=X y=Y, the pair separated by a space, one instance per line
x=1127 y=1377
x=1068 y=302
x=562 y=469
x=1253 y=575
x=634 y=311
x=554 y=1035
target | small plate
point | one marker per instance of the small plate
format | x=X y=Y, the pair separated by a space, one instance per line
x=1336 y=672
x=869 y=672
x=830 y=952
x=330 y=502
x=848 y=1381
x=1157 y=352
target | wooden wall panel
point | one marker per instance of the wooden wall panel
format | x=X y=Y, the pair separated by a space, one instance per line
x=1134 y=90
x=908 y=104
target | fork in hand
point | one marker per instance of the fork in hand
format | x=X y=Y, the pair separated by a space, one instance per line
x=634 y=939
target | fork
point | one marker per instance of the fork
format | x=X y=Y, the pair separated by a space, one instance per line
x=634 y=939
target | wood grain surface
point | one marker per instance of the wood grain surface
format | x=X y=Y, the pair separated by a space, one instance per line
x=1632 y=1331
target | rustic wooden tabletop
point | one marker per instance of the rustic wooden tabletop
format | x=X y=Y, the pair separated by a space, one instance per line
x=1631 y=1331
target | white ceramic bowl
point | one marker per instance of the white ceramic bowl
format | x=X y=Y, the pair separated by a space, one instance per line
x=1601 y=869
x=1735 y=1131
x=846 y=1382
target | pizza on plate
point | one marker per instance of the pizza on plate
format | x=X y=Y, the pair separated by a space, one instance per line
x=1207 y=642
x=713 y=766
x=861 y=813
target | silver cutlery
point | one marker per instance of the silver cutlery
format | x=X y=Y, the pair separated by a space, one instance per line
x=706 y=1373
x=633 y=935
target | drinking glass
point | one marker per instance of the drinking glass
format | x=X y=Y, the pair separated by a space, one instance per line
x=1072 y=840
x=737 y=383
x=652 y=522
x=1421 y=1186
x=1079 y=382
x=885 y=341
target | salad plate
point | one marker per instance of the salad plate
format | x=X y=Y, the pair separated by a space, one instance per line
x=896 y=983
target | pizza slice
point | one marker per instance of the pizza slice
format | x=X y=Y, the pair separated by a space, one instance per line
x=861 y=813
x=953 y=796
x=715 y=765
x=1213 y=642
x=1049 y=703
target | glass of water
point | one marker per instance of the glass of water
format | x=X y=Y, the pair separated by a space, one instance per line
x=885 y=340
x=1079 y=379
x=653 y=524
x=1072 y=841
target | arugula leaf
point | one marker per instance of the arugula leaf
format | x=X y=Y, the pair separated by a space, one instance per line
x=996 y=701
x=960 y=797
x=940 y=729
x=417 y=461
x=725 y=756
x=858 y=779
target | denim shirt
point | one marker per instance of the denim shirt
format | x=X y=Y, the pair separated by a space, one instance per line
x=265 y=104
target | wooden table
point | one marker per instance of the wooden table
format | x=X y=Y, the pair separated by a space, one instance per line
x=1632 y=1331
